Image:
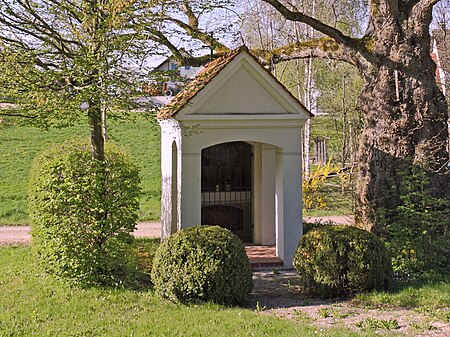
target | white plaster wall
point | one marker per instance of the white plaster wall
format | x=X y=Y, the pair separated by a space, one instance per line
x=243 y=88
x=268 y=184
x=231 y=100
x=282 y=136
x=170 y=133
x=292 y=201
x=257 y=188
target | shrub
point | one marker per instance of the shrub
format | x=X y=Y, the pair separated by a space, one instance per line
x=83 y=212
x=417 y=231
x=340 y=260
x=203 y=263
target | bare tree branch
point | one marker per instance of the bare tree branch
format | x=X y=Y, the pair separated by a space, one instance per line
x=329 y=31
x=193 y=20
x=198 y=34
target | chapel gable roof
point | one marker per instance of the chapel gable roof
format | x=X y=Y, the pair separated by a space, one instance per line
x=211 y=70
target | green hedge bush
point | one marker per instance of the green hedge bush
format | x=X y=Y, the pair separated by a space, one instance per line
x=341 y=260
x=203 y=263
x=83 y=212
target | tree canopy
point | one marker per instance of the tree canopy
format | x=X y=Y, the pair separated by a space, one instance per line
x=62 y=60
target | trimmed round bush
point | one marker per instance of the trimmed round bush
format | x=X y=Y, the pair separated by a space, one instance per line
x=203 y=263
x=84 y=212
x=341 y=260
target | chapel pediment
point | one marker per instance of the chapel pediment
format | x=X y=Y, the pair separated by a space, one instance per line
x=234 y=85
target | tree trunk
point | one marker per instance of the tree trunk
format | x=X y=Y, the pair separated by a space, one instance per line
x=405 y=124
x=96 y=132
x=405 y=114
x=307 y=129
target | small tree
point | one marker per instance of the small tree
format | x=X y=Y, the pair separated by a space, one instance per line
x=63 y=57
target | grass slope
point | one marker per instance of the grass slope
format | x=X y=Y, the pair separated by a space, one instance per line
x=20 y=144
x=33 y=304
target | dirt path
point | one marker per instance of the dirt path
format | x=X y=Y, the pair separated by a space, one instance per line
x=13 y=235
x=282 y=295
x=21 y=234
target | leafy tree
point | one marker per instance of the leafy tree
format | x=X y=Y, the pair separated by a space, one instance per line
x=60 y=58
x=404 y=111
x=65 y=56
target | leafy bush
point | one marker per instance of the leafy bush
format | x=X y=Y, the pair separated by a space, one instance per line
x=83 y=212
x=417 y=231
x=315 y=192
x=203 y=263
x=340 y=260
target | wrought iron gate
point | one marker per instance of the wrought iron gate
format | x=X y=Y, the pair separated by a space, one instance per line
x=227 y=188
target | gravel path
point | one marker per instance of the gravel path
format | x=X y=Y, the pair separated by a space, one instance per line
x=281 y=294
x=337 y=219
x=13 y=235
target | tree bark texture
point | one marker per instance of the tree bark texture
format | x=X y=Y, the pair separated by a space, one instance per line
x=96 y=133
x=405 y=113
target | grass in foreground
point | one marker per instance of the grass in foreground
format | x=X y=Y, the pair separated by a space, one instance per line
x=32 y=303
x=20 y=144
x=428 y=297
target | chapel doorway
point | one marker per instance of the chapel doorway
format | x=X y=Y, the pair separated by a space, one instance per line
x=226 y=188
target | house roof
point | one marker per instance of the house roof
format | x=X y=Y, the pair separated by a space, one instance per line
x=211 y=70
x=168 y=59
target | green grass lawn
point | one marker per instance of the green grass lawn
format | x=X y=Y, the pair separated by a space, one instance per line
x=33 y=304
x=20 y=144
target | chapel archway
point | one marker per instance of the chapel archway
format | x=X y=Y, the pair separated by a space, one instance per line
x=226 y=188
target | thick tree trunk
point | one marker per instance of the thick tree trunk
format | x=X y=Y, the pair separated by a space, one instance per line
x=405 y=113
x=405 y=124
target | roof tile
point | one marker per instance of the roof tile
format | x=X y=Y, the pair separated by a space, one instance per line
x=195 y=86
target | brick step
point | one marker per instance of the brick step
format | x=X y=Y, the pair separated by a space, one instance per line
x=262 y=257
x=265 y=263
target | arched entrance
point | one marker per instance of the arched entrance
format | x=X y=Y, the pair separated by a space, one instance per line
x=226 y=188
